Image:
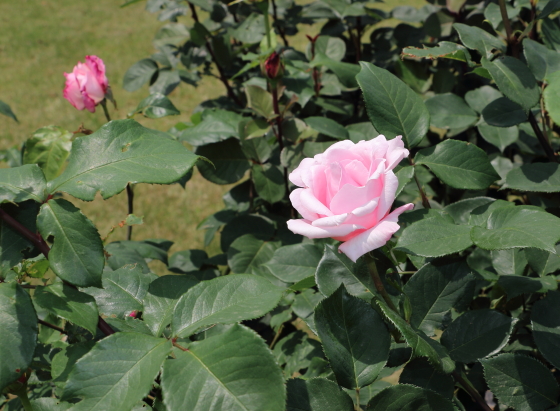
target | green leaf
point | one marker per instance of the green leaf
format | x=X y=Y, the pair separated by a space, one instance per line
x=187 y=260
x=19 y=332
x=269 y=182
x=258 y=225
x=18 y=184
x=251 y=30
x=346 y=72
x=64 y=360
x=503 y=112
x=229 y=163
x=477 y=334
x=247 y=252
x=327 y=127
x=420 y=373
x=515 y=80
x=404 y=175
x=139 y=74
x=305 y=303
x=509 y=262
x=546 y=326
x=216 y=125
x=393 y=108
x=550 y=7
x=409 y=398
x=444 y=49
x=421 y=344
x=223 y=300
x=120 y=379
x=543 y=262
x=479 y=98
x=49 y=404
x=119 y=153
x=233 y=371
x=293 y=263
x=129 y=324
x=259 y=100
x=448 y=110
x=520 y=382
x=123 y=291
x=477 y=39
x=76 y=255
x=149 y=249
x=161 y=299
x=433 y=291
x=316 y=394
x=517 y=285
x=551 y=99
x=6 y=110
x=537 y=177
x=157 y=105
x=541 y=60
x=49 y=148
x=70 y=304
x=332 y=47
x=459 y=165
x=461 y=210
x=434 y=237
x=500 y=137
x=354 y=356
x=479 y=215
x=520 y=226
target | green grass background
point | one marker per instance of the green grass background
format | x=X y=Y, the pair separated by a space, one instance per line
x=42 y=39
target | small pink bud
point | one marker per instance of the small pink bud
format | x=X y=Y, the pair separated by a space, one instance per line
x=87 y=84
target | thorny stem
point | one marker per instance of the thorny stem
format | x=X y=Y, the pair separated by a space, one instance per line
x=54 y=327
x=130 y=195
x=378 y=283
x=222 y=77
x=276 y=23
x=467 y=386
x=38 y=241
x=425 y=201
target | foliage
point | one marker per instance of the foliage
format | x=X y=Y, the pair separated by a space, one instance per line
x=463 y=296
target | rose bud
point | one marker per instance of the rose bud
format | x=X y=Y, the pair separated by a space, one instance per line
x=347 y=192
x=87 y=84
x=273 y=67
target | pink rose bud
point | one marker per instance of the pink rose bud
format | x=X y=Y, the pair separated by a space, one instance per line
x=273 y=66
x=133 y=314
x=87 y=84
x=347 y=192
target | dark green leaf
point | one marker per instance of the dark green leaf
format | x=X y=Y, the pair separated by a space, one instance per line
x=477 y=334
x=433 y=291
x=49 y=148
x=6 y=110
x=187 y=260
x=450 y=111
x=541 y=60
x=444 y=49
x=259 y=100
x=129 y=324
x=316 y=394
x=233 y=371
x=258 y=225
x=76 y=255
x=520 y=226
x=421 y=344
x=479 y=98
x=139 y=74
x=520 y=382
x=63 y=361
x=409 y=398
x=461 y=210
x=420 y=373
x=346 y=72
x=49 y=404
x=550 y=7
x=123 y=291
x=293 y=263
x=157 y=105
x=459 y=164
x=500 y=137
x=248 y=251
x=269 y=182
x=327 y=127
x=477 y=39
x=70 y=304
x=121 y=152
x=509 y=262
x=354 y=356
x=503 y=112
x=223 y=300
x=546 y=326
x=22 y=183
x=229 y=163
x=404 y=175
x=19 y=332
x=515 y=285
x=120 y=380
x=551 y=99
x=216 y=125
x=251 y=30
x=393 y=108
x=543 y=262
x=515 y=80
x=161 y=299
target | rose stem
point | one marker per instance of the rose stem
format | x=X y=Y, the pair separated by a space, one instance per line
x=22 y=395
x=222 y=76
x=467 y=386
x=425 y=201
x=42 y=246
x=513 y=43
x=279 y=119
x=129 y=192
x=378 y=283
x=54 y=327
x=276 y=23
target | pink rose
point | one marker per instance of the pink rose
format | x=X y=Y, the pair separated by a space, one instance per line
x=347 y=193
x=87 y=84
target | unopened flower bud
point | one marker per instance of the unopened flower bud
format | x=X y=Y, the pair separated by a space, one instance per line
x=273 y=67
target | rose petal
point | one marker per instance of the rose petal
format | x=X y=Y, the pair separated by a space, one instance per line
x=351 y=197
x=395 y=152
x=387 y=196
x=305 y=228
x=295 y=176
x=298 y=205
x=332 y=221
x=312 y=204
x=374 y=237
x=72 y=91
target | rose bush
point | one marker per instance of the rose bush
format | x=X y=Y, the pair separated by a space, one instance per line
x=346 y=194
x=87 y=85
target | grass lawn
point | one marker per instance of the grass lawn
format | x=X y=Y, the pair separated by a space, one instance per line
x=41 y=39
